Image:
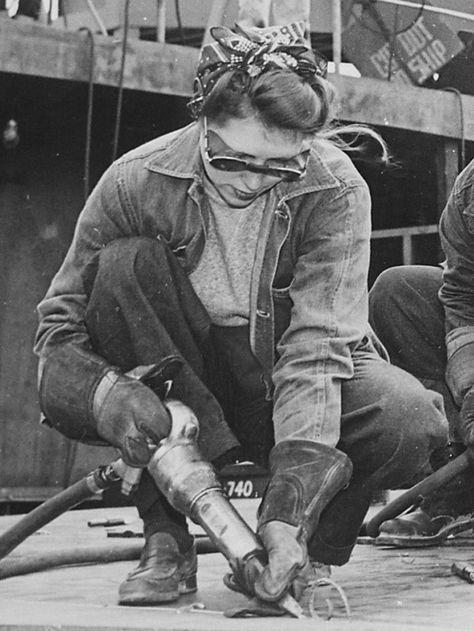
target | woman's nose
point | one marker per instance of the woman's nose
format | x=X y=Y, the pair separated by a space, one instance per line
x=251 y=180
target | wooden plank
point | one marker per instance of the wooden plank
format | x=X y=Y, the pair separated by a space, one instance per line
x=169 y=69
x=447 y=169
x=46 y=52
x=389 y=233
x=407 y=250
x=216 y=16
x=407 y=236
x=388 y=104
x=389 y=589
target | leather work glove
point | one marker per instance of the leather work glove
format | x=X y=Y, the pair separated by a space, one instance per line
x=304 y=477
x=287 y=555
x=130 y=416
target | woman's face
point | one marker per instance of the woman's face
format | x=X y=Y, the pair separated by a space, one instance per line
x=249 y=141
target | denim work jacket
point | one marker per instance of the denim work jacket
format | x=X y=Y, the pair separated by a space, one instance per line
x=309 y=305
x=457 y=290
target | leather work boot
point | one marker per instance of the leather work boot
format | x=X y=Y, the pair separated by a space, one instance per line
x=418 y=523
x=444 y=506
x=163 y=573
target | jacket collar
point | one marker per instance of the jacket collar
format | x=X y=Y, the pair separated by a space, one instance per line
x=179 y=154
x=179 y=157
x=318 y=175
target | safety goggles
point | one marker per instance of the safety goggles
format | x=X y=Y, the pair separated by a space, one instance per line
x=223 y=158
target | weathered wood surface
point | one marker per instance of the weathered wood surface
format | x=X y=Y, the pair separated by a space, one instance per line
x=169 y=69
x=392 y=590
x=46 y=52
x=388 y=104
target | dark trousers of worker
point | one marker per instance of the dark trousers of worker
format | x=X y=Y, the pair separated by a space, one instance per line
x=142 y=308
x=408 y=317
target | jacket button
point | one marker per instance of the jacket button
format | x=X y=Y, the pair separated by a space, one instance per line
x=281 y=213
x=262 y=313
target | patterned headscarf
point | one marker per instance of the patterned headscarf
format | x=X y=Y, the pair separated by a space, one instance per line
x=254 y=51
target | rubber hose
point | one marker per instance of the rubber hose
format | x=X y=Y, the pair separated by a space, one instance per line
x=98 y=554
x=49 y=510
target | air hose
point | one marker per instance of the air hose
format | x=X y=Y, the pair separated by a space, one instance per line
x=95 y=482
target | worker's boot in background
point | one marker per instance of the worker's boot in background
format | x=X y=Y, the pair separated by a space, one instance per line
x=445 y=505
x=304 y=477
x=163 y=574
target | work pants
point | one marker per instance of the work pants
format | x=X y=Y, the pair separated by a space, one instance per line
x=408 y=317
x=143 y=308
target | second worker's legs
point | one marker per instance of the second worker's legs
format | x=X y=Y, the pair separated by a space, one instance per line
x=407 y=316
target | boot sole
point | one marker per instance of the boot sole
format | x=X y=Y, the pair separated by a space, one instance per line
x=149 y=595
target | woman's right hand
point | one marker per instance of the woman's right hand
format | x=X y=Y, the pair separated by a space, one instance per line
x=130 y=416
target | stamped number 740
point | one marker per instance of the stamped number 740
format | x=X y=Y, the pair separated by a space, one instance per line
x=239 y=488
